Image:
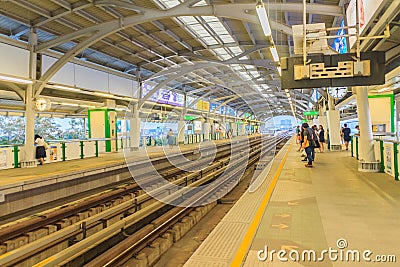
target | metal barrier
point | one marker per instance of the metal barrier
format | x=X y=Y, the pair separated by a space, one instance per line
x=385 y=150
x=60 y=150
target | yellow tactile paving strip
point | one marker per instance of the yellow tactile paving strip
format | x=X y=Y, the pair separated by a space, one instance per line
x=311 y=209
x=225 y=240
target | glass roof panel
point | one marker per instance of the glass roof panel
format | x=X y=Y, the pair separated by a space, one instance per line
x=170 y=3
x=211 y=31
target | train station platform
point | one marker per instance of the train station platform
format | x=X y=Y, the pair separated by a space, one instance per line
x=20 y=175
x=299 y=210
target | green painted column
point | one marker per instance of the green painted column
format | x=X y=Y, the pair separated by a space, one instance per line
x=396 y=161
x=16 y=160
x=81 y=145
x=357 y=147
x=97 y=148
x=351 y=147
x=63 y=147
x=382 y=155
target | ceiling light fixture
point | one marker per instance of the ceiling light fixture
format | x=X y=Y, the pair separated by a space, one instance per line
x=383 y=90
x=15 y=79
x=274 y=53
x=262 y=16
x=104 y=94
x=62 y=87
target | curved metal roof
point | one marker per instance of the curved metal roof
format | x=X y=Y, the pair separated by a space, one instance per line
x=216 y=44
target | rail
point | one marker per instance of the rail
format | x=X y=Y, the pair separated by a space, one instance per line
x=119 y=254
x=82 y=227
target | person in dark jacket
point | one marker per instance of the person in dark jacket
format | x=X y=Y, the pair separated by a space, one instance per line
x=321 y=135
x=308 y=144
x=346 y=135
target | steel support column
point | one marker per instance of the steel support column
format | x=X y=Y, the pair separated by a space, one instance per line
x=366 y=138
x=29 y=102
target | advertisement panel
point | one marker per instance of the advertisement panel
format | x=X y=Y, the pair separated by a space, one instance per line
x=206 y=106
x=213 y=106
x=221 y=110
x=189 y=100
x=230 y=111
x=389 y=159
x=146 y=88
x=53 y=153
x=203 y=105
x=163 y=96
x=197 y=126
x=367 y=9
x=3 y=159
x=170 y=97
x=199 y=105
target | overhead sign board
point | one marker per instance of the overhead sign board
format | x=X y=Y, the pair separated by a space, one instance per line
x=292 y=80
x=190 y=118
x=311 y=113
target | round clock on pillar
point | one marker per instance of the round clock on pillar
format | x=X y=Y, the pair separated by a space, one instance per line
x=337 y=92
x=42 y=104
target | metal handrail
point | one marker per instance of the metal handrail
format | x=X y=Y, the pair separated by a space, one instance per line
x=85 y=140
x=70 y=141
x=12 y=145
x=394 y=141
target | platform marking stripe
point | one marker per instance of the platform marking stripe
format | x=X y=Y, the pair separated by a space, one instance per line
x=248 y=238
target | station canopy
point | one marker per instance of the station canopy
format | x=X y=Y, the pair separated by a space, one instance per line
x=201 y=47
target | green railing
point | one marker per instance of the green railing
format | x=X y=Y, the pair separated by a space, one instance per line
x=15 y=153
x=58 y=150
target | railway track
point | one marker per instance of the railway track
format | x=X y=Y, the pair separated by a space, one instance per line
x=52 y=215
x=125 y=215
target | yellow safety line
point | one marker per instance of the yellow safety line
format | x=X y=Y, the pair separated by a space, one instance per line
x=251 y=231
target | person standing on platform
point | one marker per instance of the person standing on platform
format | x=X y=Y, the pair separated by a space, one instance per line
x=358 y=131
x=321 y=135
x=298 y=134
x=341 y=135
x=315 y=137
x=40 y=149
x=346 y=136
x=308 y=143
x=300 y=138
x=170 y=138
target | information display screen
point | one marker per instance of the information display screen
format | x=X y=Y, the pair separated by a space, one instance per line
x=340 y=43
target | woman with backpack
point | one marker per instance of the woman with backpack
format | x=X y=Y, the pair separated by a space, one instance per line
x=310 y=142
x=40 y=149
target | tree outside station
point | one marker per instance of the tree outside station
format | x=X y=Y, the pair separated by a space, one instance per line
x=12 y=129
